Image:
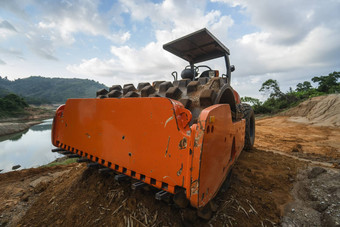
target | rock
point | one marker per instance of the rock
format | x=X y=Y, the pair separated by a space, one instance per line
x=40 y=187
x=297 y=148
x=316 y=171
x=16 y=167
x=25 y=197
x=321 y=207
x=329 y=219
x=36 y=182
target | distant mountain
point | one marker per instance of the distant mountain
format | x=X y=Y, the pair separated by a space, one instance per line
x=39 y=90
x=3 y=92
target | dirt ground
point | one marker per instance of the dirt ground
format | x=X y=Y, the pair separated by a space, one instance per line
x=291 y=178
x=300 y=139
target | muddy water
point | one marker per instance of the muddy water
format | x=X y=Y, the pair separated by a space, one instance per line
x=30 y=148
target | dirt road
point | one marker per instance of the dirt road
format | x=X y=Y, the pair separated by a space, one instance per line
x=267 y=188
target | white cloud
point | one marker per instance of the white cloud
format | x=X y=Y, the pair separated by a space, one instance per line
x=290 y=41
x=94 y=66
x=286 y=43
x=289 y=22
x=67 y=18
x=130 y=65
x=6 y=30
x=59 y=22
x=295 y=40
x=6 y=25
x=151 y=62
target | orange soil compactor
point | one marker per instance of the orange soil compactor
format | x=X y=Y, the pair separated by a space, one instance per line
x=185 y=147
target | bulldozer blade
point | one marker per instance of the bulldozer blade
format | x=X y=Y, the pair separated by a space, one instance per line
x=82 y=160
x=93 y=164
x=158 y=147
x=120 y=177
x=161 y=195
x=137 y=185
x=57 y=150
x=105 y=170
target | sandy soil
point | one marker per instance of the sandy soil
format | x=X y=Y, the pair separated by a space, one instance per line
x=291 y=178
x=319 y=143
x=320 y=111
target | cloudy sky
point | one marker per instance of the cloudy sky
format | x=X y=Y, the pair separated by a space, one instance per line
x=117 y=42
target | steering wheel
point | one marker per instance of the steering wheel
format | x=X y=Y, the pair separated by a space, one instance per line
x=196 y=68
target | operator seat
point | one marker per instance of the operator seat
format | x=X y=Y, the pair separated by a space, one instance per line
x=188 y=74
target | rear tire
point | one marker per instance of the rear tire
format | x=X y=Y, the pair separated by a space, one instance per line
x=248 y=115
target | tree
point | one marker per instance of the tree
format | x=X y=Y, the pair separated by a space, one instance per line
x=272 y=87
x=252 y=101
x=12 y=102
x=328 y=83
x=305 y=86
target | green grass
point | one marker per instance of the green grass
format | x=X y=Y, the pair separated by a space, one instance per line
x=64 y=162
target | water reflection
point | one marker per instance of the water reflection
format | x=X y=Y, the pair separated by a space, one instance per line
x=28 y=149
x=46 y=125
x=13 y=137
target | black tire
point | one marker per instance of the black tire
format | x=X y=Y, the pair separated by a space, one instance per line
x=248 y=115
x=194 y=95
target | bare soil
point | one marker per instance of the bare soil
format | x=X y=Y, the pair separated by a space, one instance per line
x=81 y=196
x=320 y=111
x=318 y=143
x=291 y=178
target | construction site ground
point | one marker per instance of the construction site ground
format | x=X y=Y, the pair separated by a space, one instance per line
x=290 y=178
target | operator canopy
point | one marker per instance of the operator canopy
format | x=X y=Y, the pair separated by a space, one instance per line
x=197 y=47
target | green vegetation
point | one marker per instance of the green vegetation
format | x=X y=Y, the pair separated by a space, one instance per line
x=279 y=101
x=40 y=90
x=61 y=161
x=12 y=105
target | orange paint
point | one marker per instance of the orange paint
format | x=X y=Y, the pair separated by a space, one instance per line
x=150 y=140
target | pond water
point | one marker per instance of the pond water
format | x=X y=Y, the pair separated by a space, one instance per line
x=31 y=148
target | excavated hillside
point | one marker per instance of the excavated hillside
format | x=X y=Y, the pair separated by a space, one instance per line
x=291 y=178
x=320 y=111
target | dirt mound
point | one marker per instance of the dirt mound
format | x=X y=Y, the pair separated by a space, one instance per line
x=321 y=111
x=260 y=187
x=302 y=140
x=21 y=189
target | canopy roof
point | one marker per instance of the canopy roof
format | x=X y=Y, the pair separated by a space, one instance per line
x=197 y=47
